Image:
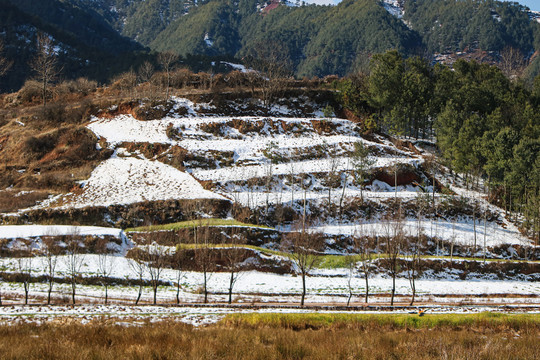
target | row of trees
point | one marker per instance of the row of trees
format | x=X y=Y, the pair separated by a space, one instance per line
x=68 y=252
x=388 y=246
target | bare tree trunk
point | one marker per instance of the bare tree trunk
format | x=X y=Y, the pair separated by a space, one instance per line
x=304 y=213
x=106 y=294
x=367 y=288
x=485 y=231
x=413 y=288
x=205 y=287
x=474 y=226
x=303 y=289
x=49 y=292
x=393 y=288
x=342 y=195
x=73 y=288
x=44 y=92
x=139 y=294
x=168 y=84
x=231 y=284
x=395 y=183
x=26 y=291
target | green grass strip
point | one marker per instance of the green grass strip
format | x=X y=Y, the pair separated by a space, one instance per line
x=195 y=223
x=374 y=321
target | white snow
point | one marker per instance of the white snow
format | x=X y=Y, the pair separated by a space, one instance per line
x=460 y=232
x=327 y=286
x=209 y=42
x=393 y=7
x=299 y=167
x=27 y=231
x=131 y=180
x=238 y=67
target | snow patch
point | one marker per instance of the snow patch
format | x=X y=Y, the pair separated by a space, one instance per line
x=130 y=180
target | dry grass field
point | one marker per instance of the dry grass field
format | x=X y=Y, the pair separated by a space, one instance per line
x=286 y=336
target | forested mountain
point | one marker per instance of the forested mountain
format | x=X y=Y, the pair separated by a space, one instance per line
x=322 y=40
x=447 y=26
x=85 y=44
x=316 y=40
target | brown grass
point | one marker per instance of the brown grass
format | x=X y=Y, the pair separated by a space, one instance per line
x=67 y=339
x=11 y=200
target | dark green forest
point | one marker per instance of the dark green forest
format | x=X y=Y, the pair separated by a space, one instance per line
x=486 y=126
x=111 y=36
x=448 y=26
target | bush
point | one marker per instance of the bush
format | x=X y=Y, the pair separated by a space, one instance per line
x=180 y=78
x=126 y=81
x=52 y=113
x=81 y=86
x=39 y=146
x=58 y=114
x=31 y=90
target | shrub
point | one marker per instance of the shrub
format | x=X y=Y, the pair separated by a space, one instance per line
x=30 y=91
x=81 y=86
x=125 y=81
x=39 y=146
x=52 y=113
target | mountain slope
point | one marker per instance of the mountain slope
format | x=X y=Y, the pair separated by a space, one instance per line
x=350 y=31
x=448 y=26
x=209 y=29
x=319 y=40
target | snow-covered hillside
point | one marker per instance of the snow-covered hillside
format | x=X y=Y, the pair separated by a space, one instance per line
x=285 y=159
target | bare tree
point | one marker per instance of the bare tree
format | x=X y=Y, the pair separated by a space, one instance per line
x=268 y=180
x=45 y=63
x=485 y=235
x=152 y=254
x=394 y=243
x=178 y=261
x=512 y=62
x=344 y=181
x=145 y=75
x=412 y=261
x=24 y=267
x=304 y=249
x=452 y=240
x=5 y=64
x=155 y=263
x=474 y=211
x=362 y=163
x=413 y=246
x=204 y=254
x=50 y=252
x=351 y=265
x=73 y=260
x=137 y=265
x=292 y=173
x=106 y=264
x=146 y=71
x=126 y=82
x=167 y=61
x=233 y=254
x=395 y=168
x=253 y=79
x=271 y=59
x=333 y=177
x=363 y=246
